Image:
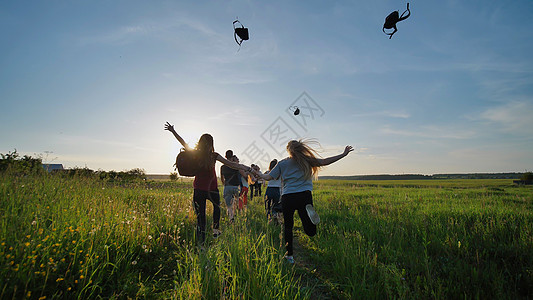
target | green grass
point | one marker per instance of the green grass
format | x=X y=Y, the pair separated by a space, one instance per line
x=83 y=238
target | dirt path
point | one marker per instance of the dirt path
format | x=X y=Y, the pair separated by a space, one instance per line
x=312 y=276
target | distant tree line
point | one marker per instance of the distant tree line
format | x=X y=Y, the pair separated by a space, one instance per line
x=429 y=177
x=15 y=164
x=20 y=165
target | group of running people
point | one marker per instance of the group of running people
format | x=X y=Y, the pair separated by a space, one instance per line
x=237 y=183
x=291 y=179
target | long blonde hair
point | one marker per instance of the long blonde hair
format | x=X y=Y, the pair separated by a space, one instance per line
x=305 y=157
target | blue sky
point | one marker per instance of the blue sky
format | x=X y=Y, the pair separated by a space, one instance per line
x=91 y=83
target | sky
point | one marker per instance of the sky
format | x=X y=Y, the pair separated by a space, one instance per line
x=92 y=83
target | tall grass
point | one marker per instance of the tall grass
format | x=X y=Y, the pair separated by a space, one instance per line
x=85 y=238
x=81 y=238
x=444 y=240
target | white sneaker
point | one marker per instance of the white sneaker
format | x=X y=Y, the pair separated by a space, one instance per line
x=315 y=219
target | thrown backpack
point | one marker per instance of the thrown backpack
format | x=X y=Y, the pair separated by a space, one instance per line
x=187 y=163
x=241 y=32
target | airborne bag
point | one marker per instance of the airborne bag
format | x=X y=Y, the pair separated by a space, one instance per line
x=241 y=32
x=187 y=163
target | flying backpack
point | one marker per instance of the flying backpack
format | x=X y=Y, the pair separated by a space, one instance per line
x=241 y=32
x=187 y=163
x=393 y=18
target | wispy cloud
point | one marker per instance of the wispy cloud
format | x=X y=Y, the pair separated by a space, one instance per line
x=384 y=113
x=164 y=29
x=118 y=35
x=512 y=117
x=431 y=132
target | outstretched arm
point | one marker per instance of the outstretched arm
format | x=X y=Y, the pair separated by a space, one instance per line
x=332 y=159
x=233 y=164
x=266 y=177
x=245 y=174
x=178 y=137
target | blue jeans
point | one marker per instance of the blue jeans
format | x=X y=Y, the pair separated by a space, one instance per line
x=272 y=202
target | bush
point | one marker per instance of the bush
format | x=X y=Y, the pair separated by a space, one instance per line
x=527 y=177
x=20 y=165
x=173 y=176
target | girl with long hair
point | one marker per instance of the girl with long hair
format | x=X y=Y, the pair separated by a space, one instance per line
x=296 y=173
x=205 y=181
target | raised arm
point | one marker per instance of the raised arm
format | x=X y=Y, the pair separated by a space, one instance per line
x=233 y=164
x=332 y=159
x=178 y=137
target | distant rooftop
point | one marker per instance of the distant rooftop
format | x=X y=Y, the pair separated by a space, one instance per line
x=52 y=167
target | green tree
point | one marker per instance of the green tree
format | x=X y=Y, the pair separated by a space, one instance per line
x=527 y=177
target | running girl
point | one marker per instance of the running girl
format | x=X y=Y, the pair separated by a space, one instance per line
x=296 y=173
x=205 y=182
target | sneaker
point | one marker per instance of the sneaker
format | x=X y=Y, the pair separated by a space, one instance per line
x=290 y=259
x=315 y=219
x=216 y=233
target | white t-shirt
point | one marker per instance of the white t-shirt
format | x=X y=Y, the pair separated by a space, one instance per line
x=244 y=181
x=293 y=179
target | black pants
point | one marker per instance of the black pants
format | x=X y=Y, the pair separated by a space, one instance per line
x=252 y=191
x=199 y=200
x=258 y=191
x=291 y=203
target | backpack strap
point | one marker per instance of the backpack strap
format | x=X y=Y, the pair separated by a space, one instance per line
x=235 y=32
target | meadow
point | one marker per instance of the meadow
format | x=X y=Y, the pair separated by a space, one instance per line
x=78 y=237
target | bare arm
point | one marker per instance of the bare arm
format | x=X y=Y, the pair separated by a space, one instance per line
x=266 y=177
x=332 y=159
x=244 y=174
x=222 y=176
x=232 y=164
x=178 y=137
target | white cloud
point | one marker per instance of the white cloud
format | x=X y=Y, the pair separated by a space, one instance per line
x=431 y=132
x=512 y=117
x=385 y=113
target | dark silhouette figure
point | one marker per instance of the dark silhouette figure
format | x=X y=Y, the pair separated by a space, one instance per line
x=393 y=18
x=240 y=32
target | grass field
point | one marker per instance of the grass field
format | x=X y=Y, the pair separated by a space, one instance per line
x=85 y=238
